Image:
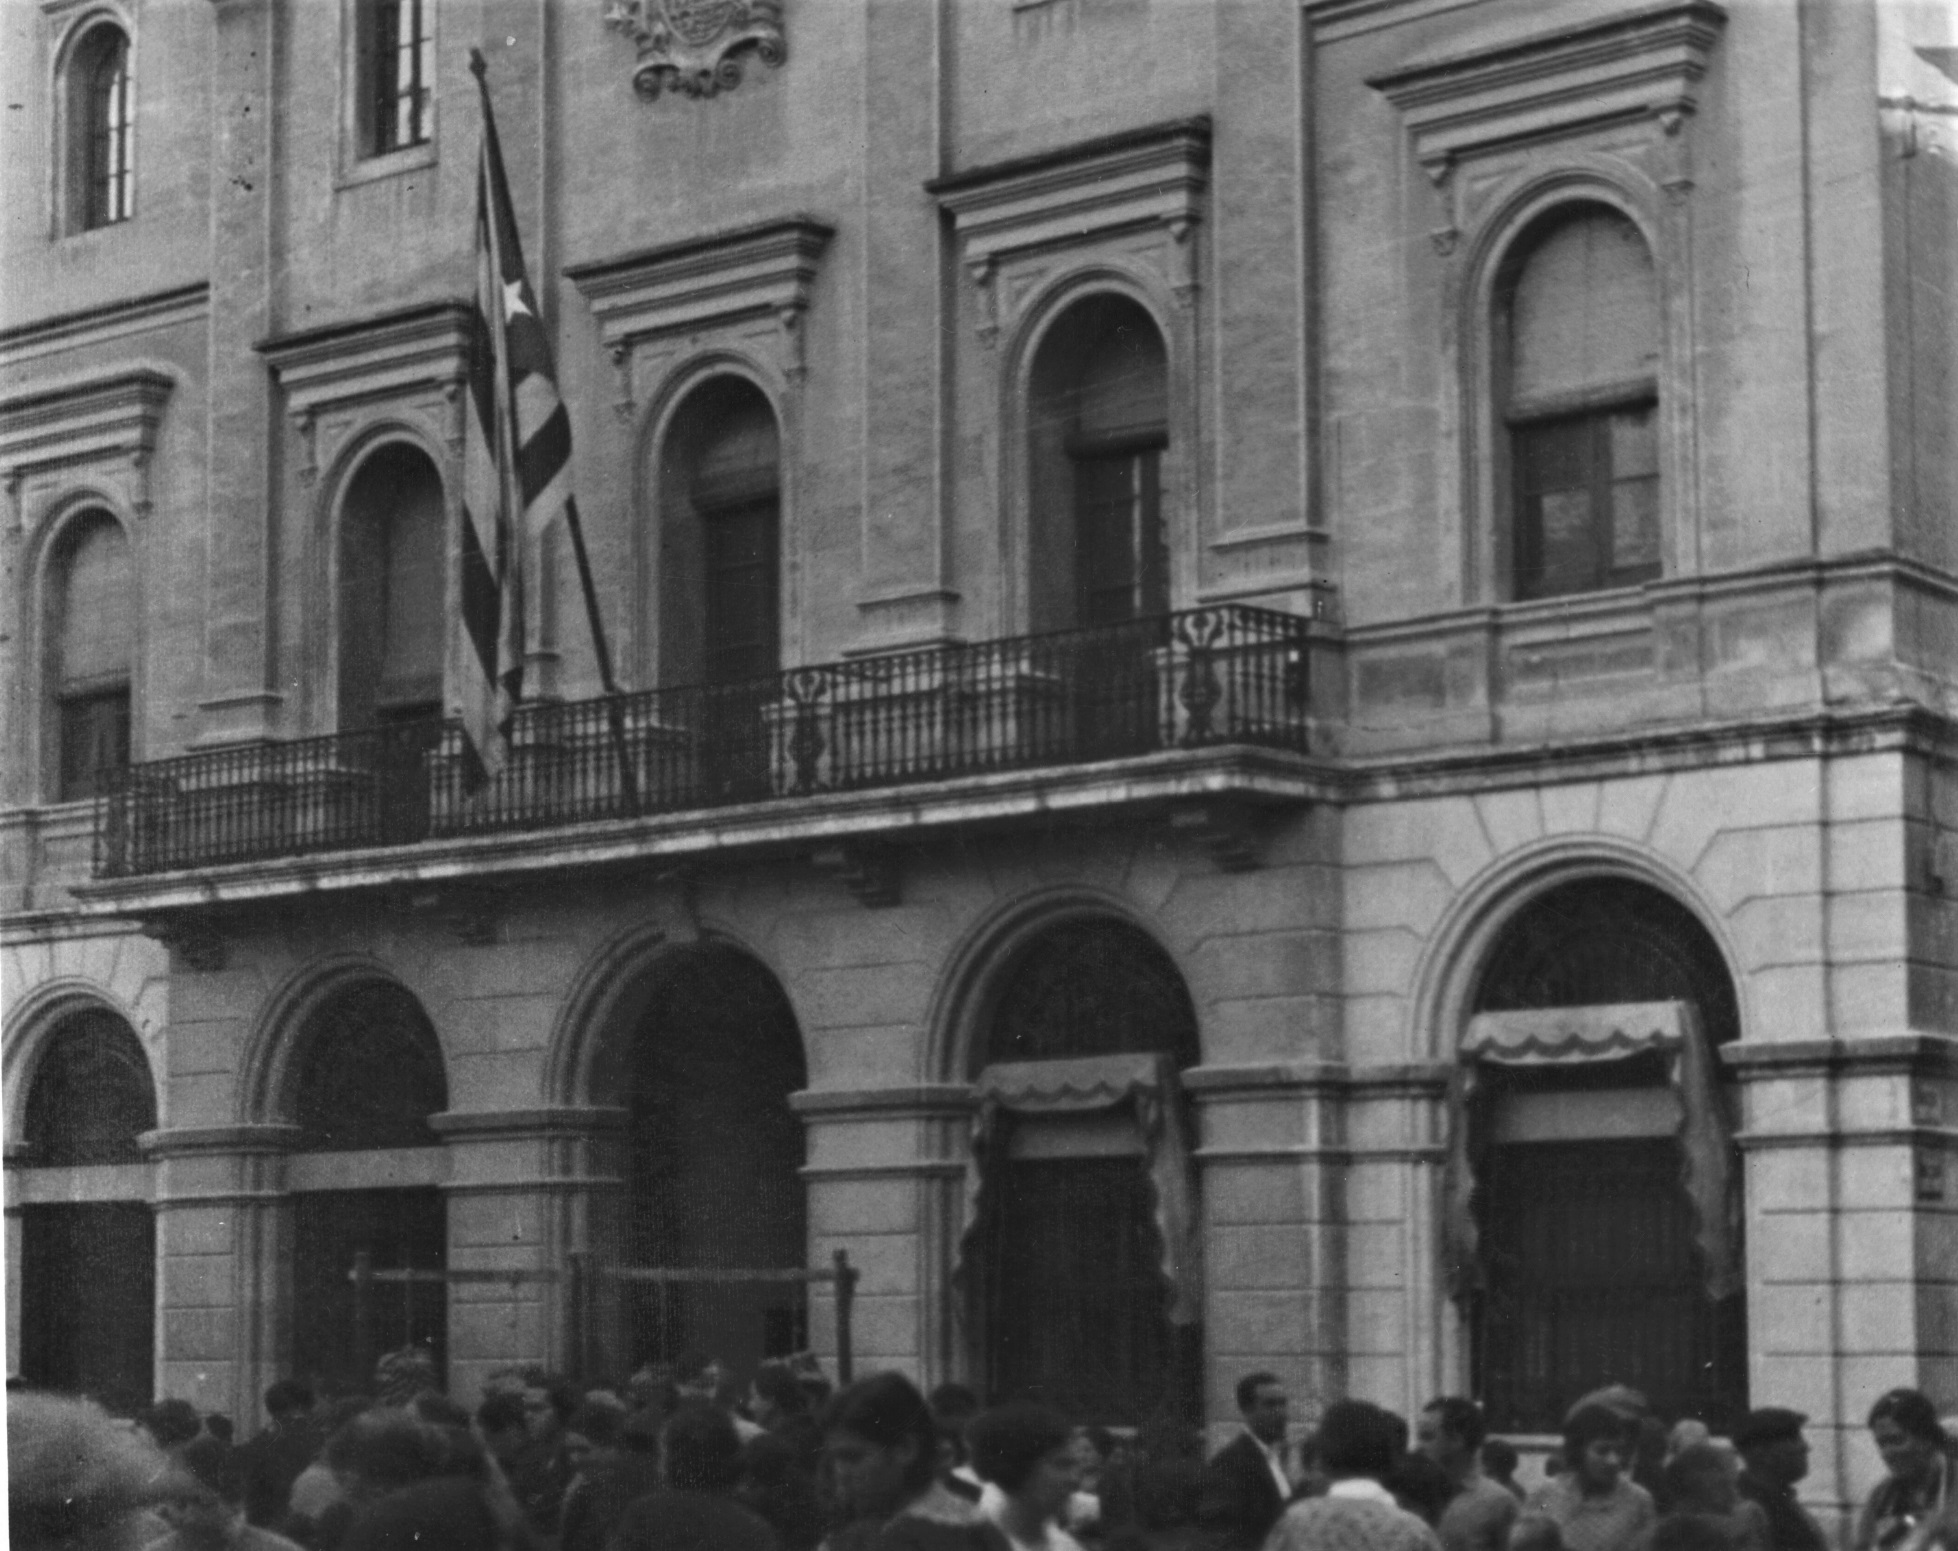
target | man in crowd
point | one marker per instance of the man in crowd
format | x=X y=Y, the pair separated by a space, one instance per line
x=1246 y=1484
x=271 y=1462
x=1774 y=1457
x=1478 y=1516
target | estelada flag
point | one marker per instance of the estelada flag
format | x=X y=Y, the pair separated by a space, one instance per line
x=516 y=465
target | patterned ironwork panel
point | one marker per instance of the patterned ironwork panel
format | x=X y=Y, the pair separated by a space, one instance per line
x=1593 y=1280
x=1077 y=1308
x=1092 y=988
x=92 y=1094
x=1605 y=940
x=370 y=1072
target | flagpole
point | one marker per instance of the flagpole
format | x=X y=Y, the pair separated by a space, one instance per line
x=614 y=710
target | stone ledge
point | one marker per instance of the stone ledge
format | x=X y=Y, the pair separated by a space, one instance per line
x=1208 y=1084
x=520 y=1124
x=193 y=1141
x=944 y=1098
x=1895 y=1054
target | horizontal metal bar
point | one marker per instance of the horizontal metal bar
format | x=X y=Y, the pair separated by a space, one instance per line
x=462 y=1276
x=707 y=1275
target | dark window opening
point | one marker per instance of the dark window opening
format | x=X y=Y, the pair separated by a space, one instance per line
x=102 y=76
x=88 y=1301
x=1092 y=988
x=370 y=1072
x=715 y=1156
x=401 y=1230
x=393 y=609
x=1587 y=490
x=93 y=732
x=1593 y=1279
x=1123 y=557
x=401 y=75
x=92 y=1094
x=743 y=588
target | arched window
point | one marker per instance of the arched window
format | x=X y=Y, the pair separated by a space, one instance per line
x=1578 y=342
x=1098 y=426
x=88 y=1264
x=393 y=543
x=101 y=190
x=91 y=640
x=1085 y=1212
x=1594 y=1187
x=720 y=538
x=369 y=1074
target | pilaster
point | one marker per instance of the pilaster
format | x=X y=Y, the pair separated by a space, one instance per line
x=240 y=702
x=531 y=1192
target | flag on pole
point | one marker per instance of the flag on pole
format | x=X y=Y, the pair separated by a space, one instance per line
x=516 y=464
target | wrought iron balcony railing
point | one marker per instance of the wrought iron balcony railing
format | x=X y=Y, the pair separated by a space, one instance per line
x=1200 y=678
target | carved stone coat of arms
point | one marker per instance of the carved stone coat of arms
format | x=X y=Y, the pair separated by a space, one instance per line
x=696 y=46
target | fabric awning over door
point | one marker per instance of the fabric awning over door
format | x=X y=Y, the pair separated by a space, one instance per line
x=1581 y=1036
x=1139 y=1085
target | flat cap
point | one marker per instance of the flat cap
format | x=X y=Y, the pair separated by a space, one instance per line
x=1768 y=1424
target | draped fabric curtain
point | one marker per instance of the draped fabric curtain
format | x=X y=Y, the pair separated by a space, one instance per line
x=1584 y=1036
x=1144 y=1086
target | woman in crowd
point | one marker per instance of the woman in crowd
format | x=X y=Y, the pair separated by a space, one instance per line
x=1591 y=1502
x=1702 y=1482
x=882 y=1445
x=77 y=1480
x=1915 y=1506
x=1027 y=1452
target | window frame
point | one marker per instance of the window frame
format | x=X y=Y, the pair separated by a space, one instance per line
x=364 y=153
x=1591 y=415
x=1479 y=263
x=62 y=536
x=103 y=37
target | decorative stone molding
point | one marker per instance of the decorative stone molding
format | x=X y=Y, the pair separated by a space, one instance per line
x=412 y=361
x=1638 y=62
x=722 y=284
x=1137 y=195
x=193 y=939
x=106 y=422
x=870 y=872
x=695 y=46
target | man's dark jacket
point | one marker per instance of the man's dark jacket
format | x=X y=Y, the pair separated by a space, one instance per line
x=1239 y=1501
x=1790 y=1527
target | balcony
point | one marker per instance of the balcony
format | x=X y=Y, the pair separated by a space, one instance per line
x=1200 y=679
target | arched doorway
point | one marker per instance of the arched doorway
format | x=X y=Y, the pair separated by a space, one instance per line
x=1600 y=1140
x=88 y=1236
x=714 y=1160
x=368 y=1075
x=1080 y=1264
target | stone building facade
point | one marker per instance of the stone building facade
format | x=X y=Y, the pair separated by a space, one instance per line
x=1289 y=668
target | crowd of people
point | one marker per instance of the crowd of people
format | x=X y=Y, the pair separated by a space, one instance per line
x=680 y=1460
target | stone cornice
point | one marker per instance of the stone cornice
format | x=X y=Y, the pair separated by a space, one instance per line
x=1600 y=66
x=1214 y=1084
x=192 y=1141
x=1081 y=194
x=107 y=415
x=921 y=1099
x=1934 y=1055
x=72 y=331
x=765 y=270
x=517 y=1124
